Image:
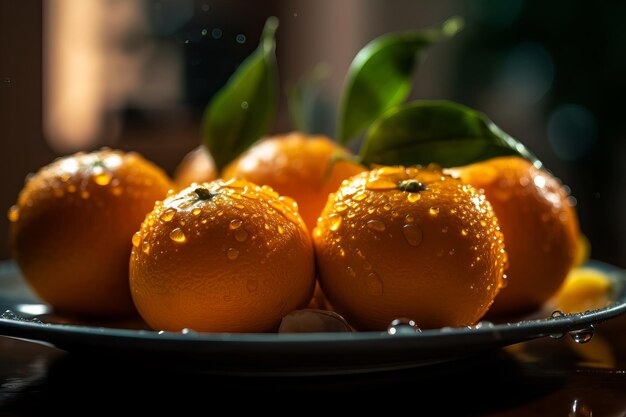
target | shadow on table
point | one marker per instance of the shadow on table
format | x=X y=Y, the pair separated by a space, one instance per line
x=476 y=385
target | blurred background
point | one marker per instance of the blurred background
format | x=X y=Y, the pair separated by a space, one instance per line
x=137 y=74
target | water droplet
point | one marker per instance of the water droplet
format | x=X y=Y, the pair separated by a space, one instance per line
x=251 y=285
x=583 y=335
x=235 y=224
x=464 y=232
x=412 y=234
x=204 y=32
x=403 y=326
x=376 y=225
x=280 y=229
x=340 y=207
x=387 y=207
x=409 y=218
x=360 y=196
x=196 y=211
x=350 y=271
x=433 y=211
x=145 y=247
x=177 y=235
x=266 y=226
x=188 y=331
x=484 y=324
x=335 y=222
x=342 y=251
x=380 y=184
x=413 y=197
x=101 y=177
x=232 y=254
x=505 y=281
x=240 y=39
x=483 y=223
x=168 y=214
x=390 y=171
x=136 y=239
x=444 y=229
x=241 y=235
x=13 y=214
x=374 y=284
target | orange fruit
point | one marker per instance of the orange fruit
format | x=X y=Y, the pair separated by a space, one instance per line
x=540 y=229
x=72 y=225
x=299 y=166
x=409 y=242
x=222 y=257
x=197 y=166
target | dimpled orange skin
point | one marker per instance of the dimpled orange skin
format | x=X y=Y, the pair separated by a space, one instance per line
x=72 y=226
x=197 y=166
x=222 y=257
x=540 y=228
x=434 y=255
x=298 y=166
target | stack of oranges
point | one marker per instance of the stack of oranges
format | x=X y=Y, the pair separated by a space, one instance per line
x=239 y=253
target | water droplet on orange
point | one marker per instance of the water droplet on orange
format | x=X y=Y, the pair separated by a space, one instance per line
x=101 y=177
x=280 y=229
x=412 y=234
x=413 y=197
x=13 y=214
x=177 y=235
x=235 y=224
x=359 y=197
x=136 y=239
x=232 y=254
x=145 y=247
x=340 y=207
x=196 y=211
x=241 y=235
x=168 y=215
x=376 y=225
x=380 y=184
x=387 y=206
x=433 y=211
x=464 y=232
x=350 y=271
x=335 y=222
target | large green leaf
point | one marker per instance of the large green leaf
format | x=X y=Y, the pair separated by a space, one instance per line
x=380 y=76
x=244 y=109
x=441 y=132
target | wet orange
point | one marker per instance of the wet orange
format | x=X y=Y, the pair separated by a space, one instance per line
x=222 y=257
x=197 y=166
x=540 y=229
x=409 y=242
x=72 y=224
x=302 y=167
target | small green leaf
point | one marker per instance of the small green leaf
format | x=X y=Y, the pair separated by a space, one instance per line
x=304 y=95
x=380 y=75
x=243 y=110
x=441 y=132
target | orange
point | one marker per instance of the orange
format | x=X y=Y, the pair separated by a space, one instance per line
x=299 y=166
x=222 y=257
x=197 y=166
x=409 y=242
x=540 y=229
x=72 y=224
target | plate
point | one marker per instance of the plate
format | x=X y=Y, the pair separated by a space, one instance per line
x=286 y=354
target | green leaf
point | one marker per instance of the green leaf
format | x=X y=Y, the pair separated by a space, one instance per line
x=243 y=110
x=380 y=75
x=304 y=95
x=441 y=132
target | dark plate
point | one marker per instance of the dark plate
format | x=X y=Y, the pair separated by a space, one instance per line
x=280 y=354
